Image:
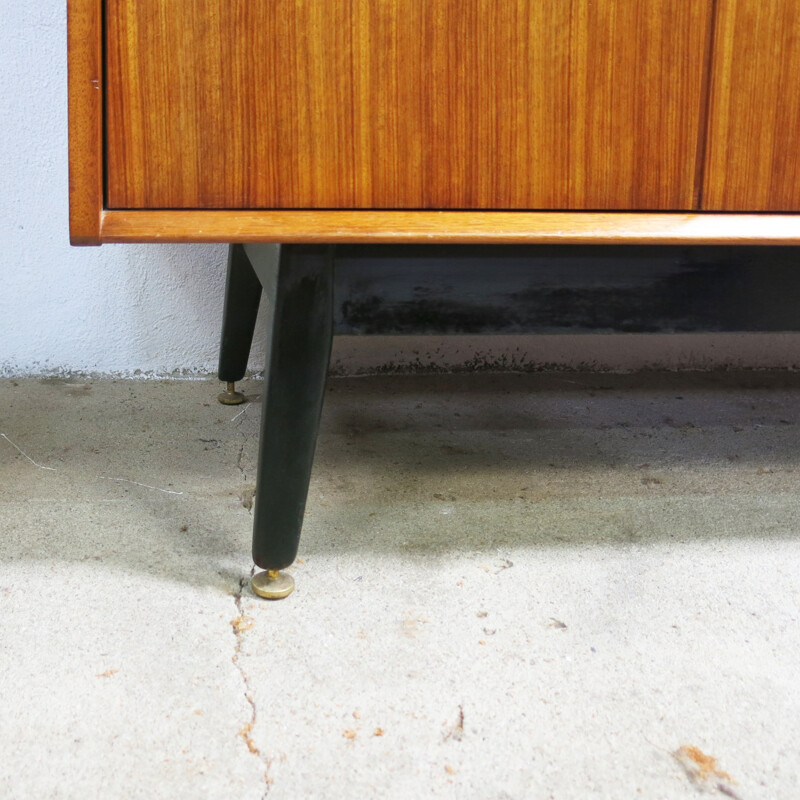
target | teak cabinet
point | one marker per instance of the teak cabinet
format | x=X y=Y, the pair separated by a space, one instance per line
x=313 y=122
x=435 y=120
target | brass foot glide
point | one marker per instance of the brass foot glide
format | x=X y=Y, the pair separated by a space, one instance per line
x=230 y=397
x=272 y=584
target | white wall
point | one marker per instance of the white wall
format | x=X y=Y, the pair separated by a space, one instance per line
x=156 y=309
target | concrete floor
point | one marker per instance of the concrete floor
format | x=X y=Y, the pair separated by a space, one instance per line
x=511 y=586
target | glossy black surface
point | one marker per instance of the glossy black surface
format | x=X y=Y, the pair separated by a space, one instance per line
x=299 y=286
x=417 y=289
x=242 y=297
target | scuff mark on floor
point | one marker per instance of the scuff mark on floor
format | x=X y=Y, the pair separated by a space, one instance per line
x=242 y=623
x=703 y=772
x=98 y=477
x=456 y=731
x=135 y=483
x=243 y=411
x=239 y=625
x=22 y=453
x=108 y=673
x=246 y=495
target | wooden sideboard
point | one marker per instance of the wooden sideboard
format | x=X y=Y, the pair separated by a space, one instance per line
x=316 y=122
x=660 y=121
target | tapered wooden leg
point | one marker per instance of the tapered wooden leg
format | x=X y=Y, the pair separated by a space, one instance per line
x=242 y=297
x=298 y=282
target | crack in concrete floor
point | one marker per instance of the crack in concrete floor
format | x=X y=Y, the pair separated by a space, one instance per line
x=241 y=624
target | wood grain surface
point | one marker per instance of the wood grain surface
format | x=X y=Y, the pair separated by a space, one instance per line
x=456 y=227
x=753 y=157
x=85 y=48
x=405 y=104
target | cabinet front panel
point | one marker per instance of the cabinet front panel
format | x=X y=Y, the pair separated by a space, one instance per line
x=753 y=160
x=405 y=104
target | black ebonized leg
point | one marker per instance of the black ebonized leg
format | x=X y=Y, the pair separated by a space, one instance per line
x=298 y=282
x=242 y=296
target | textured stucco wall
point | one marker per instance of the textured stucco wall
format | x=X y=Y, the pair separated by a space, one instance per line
x=156 y=309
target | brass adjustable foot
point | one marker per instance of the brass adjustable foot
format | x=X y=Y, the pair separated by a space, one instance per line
x=272 y=584
x=230 y=397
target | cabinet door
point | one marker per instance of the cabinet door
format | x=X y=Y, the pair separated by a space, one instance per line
x=753 y=153
x=447 y=104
